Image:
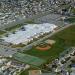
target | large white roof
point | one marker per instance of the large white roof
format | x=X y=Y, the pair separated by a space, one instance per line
x=31 y=30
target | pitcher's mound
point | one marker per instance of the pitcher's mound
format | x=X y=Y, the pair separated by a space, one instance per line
x=43 y=47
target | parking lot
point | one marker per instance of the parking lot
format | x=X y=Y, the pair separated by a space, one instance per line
x=6 y=52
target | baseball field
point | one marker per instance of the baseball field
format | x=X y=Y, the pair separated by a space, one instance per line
x=64 y=39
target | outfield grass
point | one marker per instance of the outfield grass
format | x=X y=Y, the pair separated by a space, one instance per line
x=64 y=39
x=67 y=35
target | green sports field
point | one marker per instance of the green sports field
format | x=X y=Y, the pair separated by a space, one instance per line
x=64 y=39
x=28 y=59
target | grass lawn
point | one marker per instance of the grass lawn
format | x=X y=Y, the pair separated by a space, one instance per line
x=19 y=25
x=24 y=72
x=64 y=39
x=73 y=10
x=2 y=32
x=71 y=19
x=18 y=46
x=13 y=27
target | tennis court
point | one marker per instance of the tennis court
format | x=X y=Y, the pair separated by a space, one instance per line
x=28 y=59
